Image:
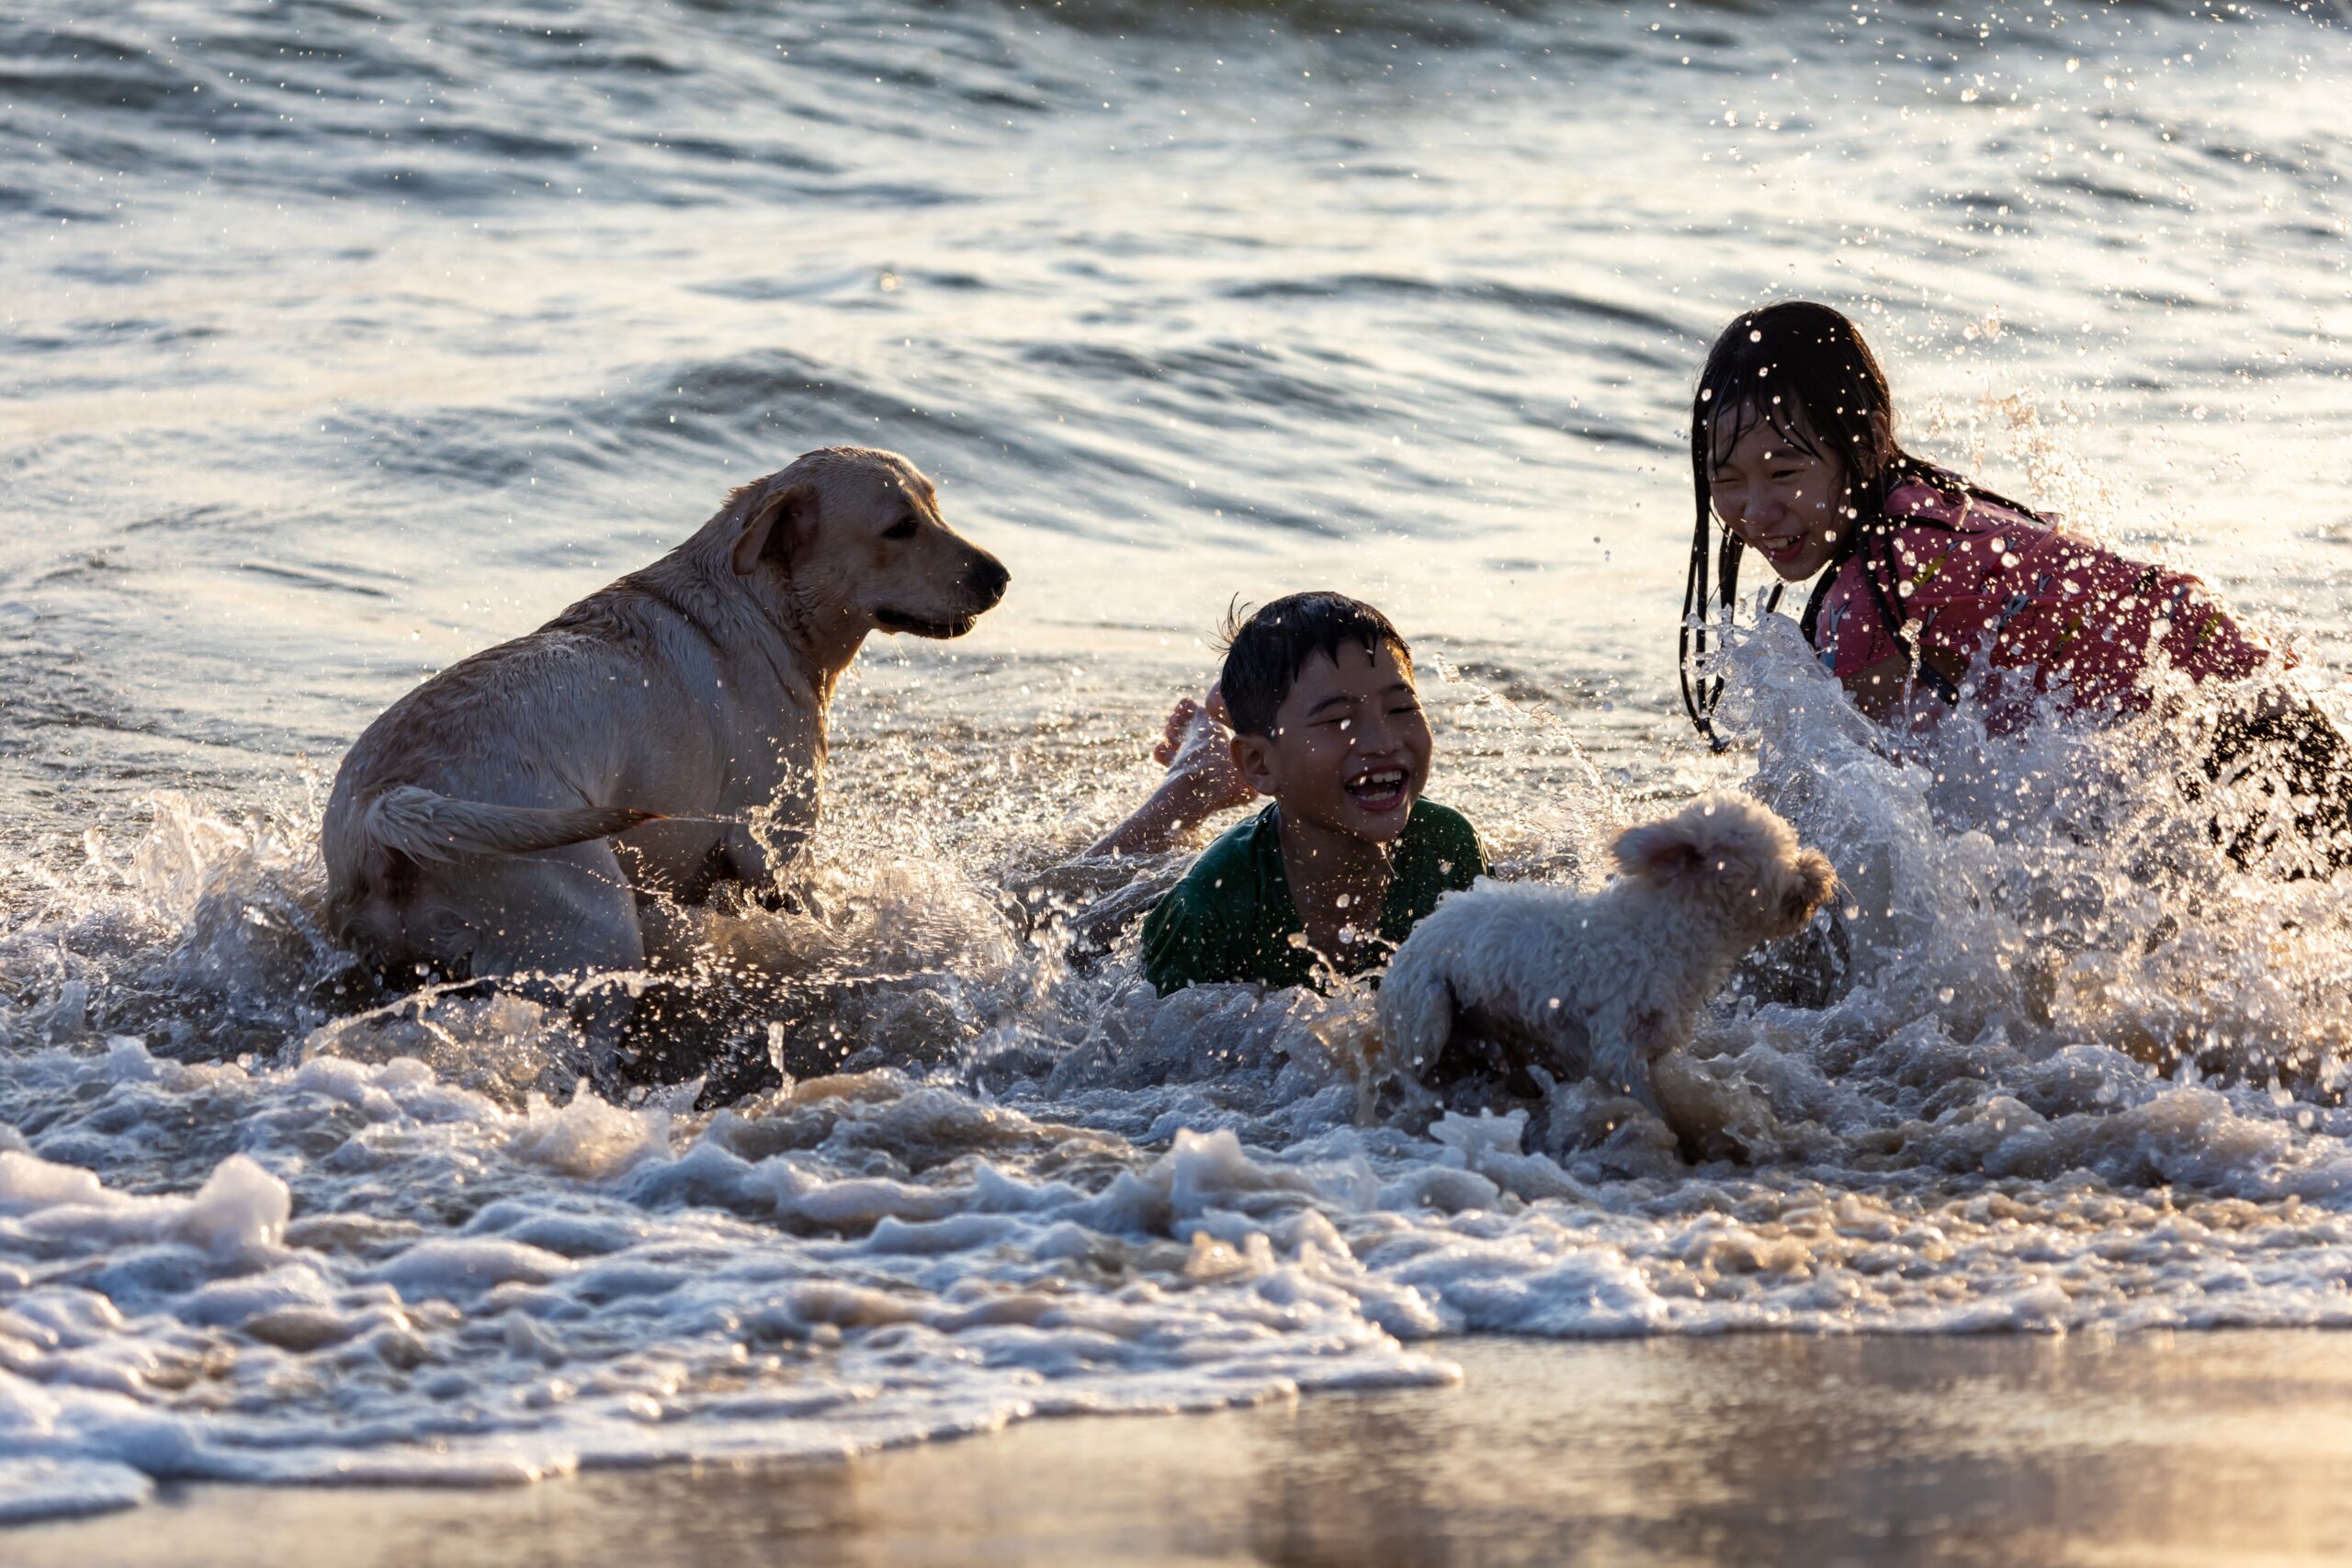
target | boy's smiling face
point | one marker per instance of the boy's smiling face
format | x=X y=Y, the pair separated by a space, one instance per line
x=1350 y=747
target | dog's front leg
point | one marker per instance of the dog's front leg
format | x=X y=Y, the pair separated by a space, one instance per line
x=1623 y=1050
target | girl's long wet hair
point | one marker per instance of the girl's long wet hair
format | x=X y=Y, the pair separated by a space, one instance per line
x=1805 y=369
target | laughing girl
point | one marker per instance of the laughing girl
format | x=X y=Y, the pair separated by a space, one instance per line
x=1920 y=574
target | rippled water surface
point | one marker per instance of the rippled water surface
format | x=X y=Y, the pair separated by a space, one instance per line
x=338 y=342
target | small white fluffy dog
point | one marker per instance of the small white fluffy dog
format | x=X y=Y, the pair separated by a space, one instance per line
x=508 y=813
x=1605 y=984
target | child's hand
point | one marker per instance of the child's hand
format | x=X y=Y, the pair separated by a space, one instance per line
x=1197 y=748
x=1202 y=781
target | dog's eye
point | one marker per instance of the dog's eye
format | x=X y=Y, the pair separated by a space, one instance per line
x=904 y=528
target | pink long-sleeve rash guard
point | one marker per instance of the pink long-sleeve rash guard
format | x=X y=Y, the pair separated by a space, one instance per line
x=2061 y=611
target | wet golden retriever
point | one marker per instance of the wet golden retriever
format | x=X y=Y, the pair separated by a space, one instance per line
x=507 y=814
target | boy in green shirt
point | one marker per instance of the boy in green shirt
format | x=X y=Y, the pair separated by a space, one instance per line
x=1332 y=875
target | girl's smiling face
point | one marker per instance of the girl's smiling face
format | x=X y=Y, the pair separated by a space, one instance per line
x=1782 y=492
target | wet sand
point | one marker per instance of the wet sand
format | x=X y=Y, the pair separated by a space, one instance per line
x=2162 y=1449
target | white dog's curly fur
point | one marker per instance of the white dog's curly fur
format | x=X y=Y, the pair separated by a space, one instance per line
x=1605 y=983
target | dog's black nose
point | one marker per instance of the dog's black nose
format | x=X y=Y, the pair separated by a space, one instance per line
x=988 y=581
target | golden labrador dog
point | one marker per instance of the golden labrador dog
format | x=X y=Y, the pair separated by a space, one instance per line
x=507 y=814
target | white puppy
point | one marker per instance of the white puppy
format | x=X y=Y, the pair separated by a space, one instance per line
x=504 y=816
x=1605 y=983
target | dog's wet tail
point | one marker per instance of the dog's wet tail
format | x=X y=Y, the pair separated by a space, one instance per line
x=428 y=827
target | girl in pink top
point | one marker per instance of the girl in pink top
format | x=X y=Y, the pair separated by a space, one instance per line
x=1921 y=572
x=2050 y=612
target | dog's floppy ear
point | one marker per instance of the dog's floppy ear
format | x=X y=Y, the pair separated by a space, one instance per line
x=1816 y=881
x=770 y=526
x=1660 y=852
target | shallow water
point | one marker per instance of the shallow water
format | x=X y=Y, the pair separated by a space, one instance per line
x=343 y=343
x=2197 y=1449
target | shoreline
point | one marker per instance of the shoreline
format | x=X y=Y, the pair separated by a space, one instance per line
x=2232 y=1447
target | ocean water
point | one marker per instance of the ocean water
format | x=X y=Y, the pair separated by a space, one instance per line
x=342 y=341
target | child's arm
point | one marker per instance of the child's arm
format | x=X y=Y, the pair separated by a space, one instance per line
x=1202 y=781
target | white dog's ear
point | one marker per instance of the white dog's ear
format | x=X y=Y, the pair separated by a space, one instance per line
x=1815 y=882
x=772 y=525
x=1659 y=852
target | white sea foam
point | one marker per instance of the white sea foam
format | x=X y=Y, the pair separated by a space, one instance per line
x=2055 y=1094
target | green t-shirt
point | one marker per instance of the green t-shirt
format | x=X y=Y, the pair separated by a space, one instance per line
x=1232 y=917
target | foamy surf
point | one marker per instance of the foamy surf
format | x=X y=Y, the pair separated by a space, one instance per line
x=422 y=1261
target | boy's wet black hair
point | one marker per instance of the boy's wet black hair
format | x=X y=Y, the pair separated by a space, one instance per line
x=1804 y=369
x=1264 y=653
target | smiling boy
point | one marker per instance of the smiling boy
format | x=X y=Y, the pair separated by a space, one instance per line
x=1348 y=857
